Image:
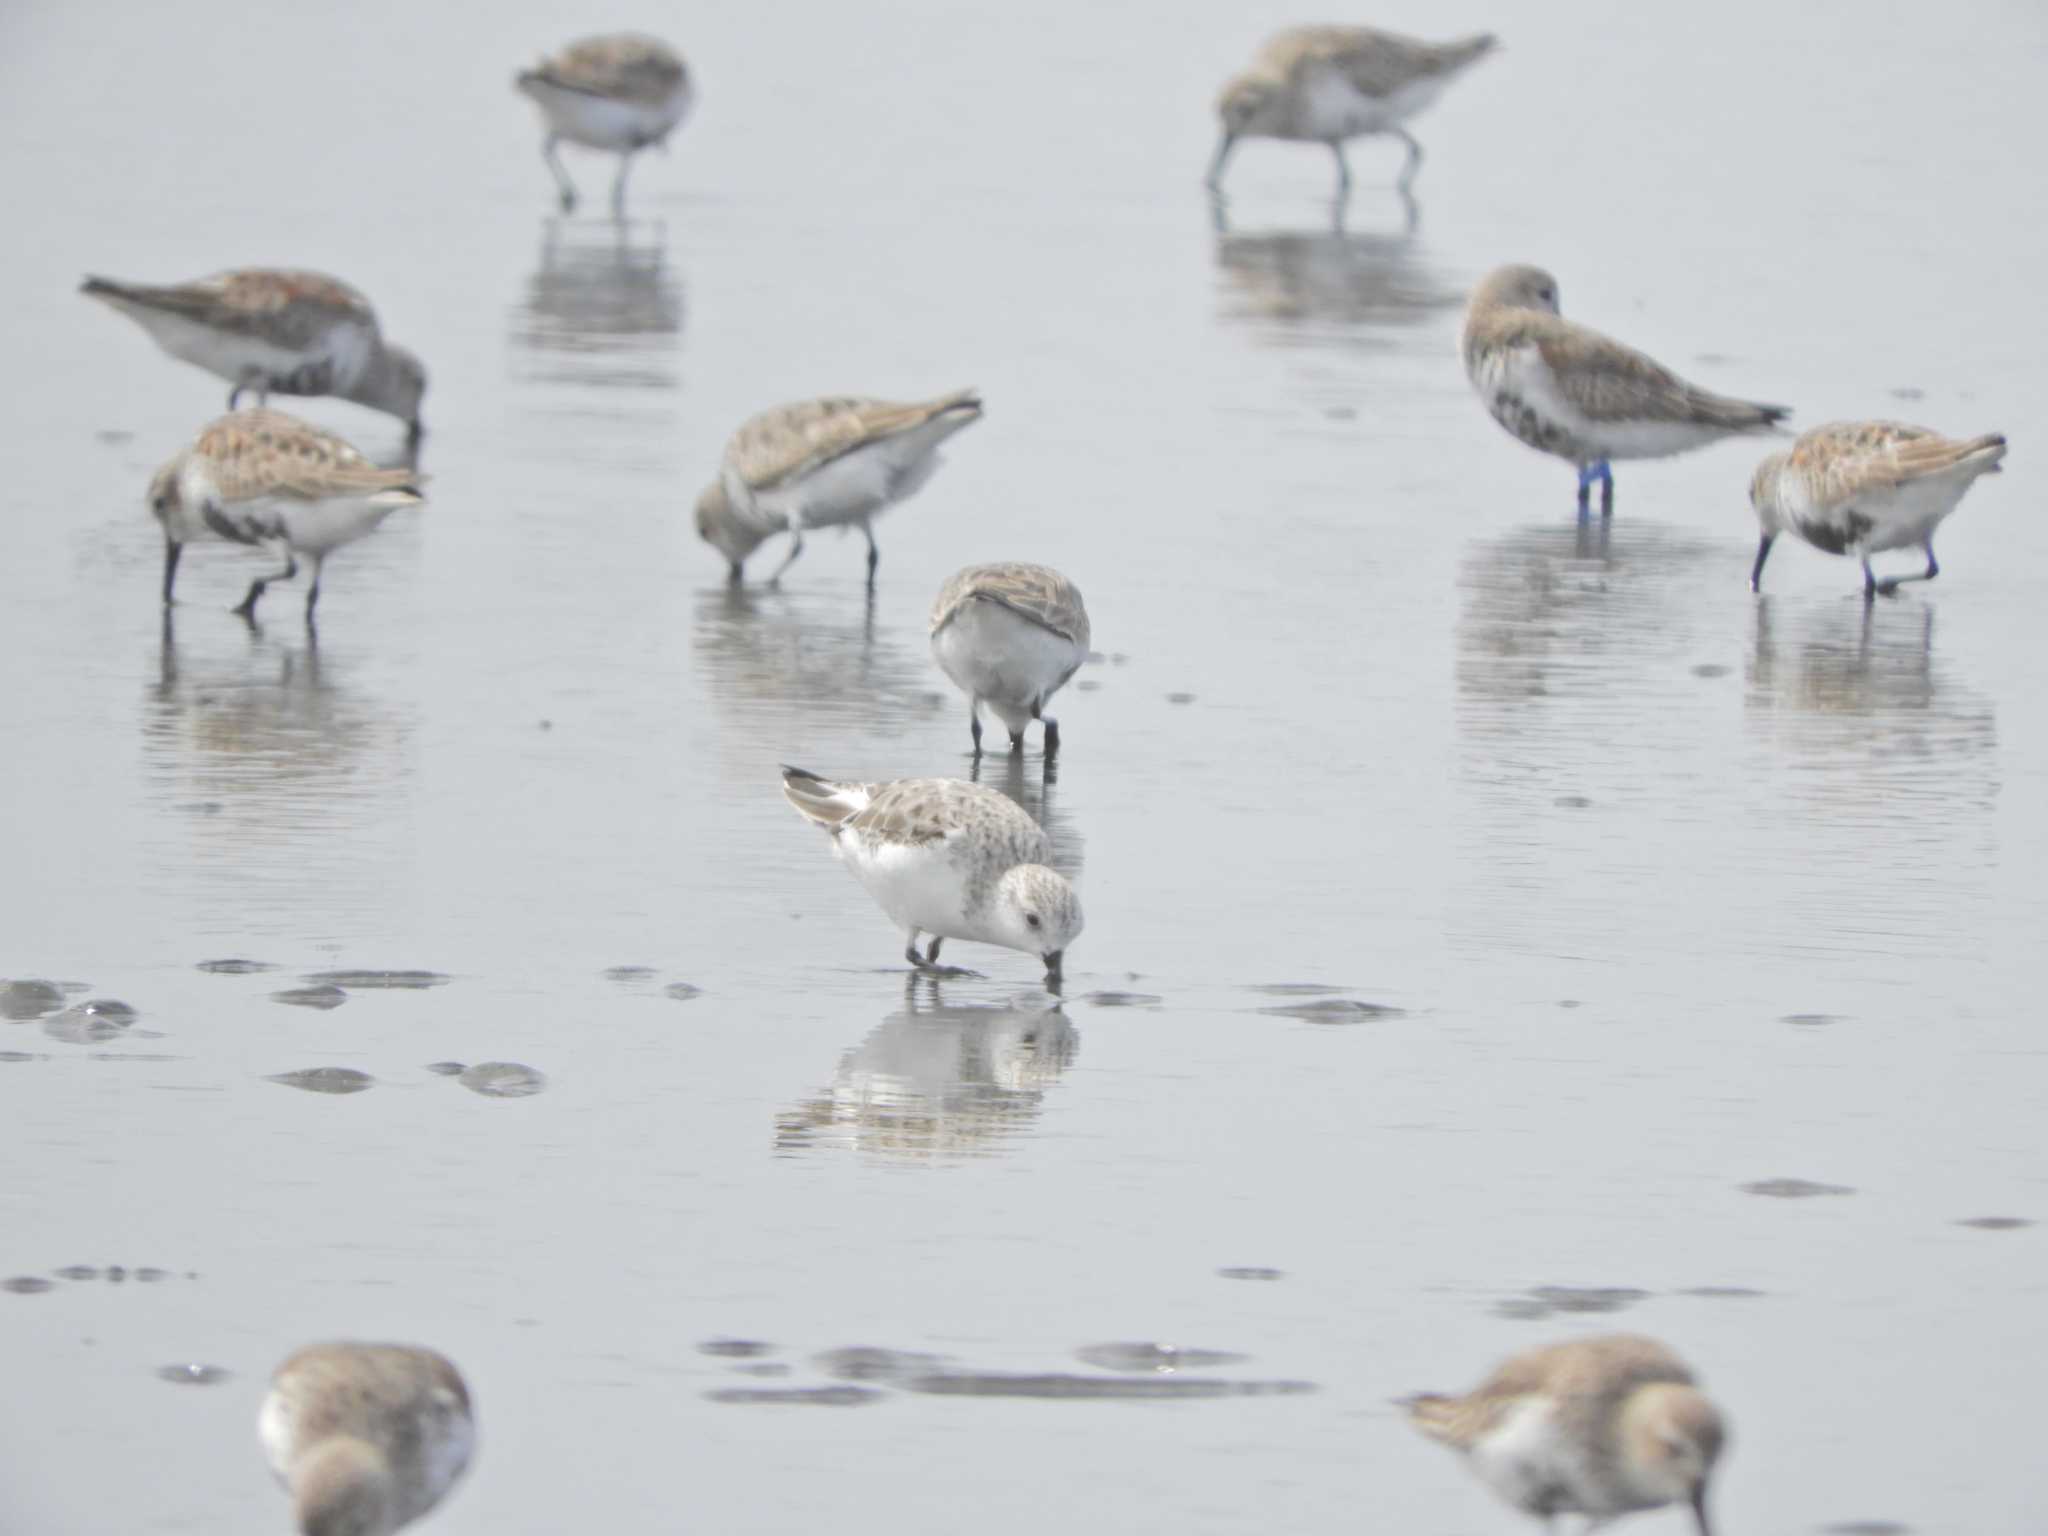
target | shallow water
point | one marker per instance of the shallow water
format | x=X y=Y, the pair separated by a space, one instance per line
x=1482 y=911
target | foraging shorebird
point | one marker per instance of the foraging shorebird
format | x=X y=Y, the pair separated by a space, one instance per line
x=367 y=1437
x=1566 y=390
x=263 y=478
x=1599 y=1427
x=276 y=332
x=1860 y=487
x=622 y=93
x=948 y=858
x=835 y=462
x=1010 y=635
x=1328 y=84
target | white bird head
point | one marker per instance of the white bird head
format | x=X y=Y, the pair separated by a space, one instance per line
x=1037 y=911
x=1517 y=287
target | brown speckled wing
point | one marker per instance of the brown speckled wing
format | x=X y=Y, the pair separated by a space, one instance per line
x=1845 y=459
x=792 y=440
x=259 y=453
x=622 y=67
x=286 y=307
x=1033 y=592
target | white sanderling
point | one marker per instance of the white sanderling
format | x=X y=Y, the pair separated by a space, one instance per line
x=948 y=858
x=276 y=332
x=621 y=92
x=1324 y=85
x=826 y=463
x=1860 y=487
x=261 y=477
x=1010 y=635
x=367 y=1437
x=1599 y=1427
x=1569 y=391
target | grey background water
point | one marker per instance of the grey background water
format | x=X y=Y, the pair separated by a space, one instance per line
x=1677 y=890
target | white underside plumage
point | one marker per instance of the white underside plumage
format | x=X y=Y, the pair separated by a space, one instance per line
x=1001 y=659
x=315 y=527
x=236 y=355
x=1503 y=376
x=1901 y=516
x=1331 y=107
x=604 y=122
x=852 y=488
x=922 y=887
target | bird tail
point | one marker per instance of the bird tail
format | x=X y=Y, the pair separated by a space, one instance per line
x=1984 y=454
x=820 y=801
x=1469 y=50
x=1439 y=1417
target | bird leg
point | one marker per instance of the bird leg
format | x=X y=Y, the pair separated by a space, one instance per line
x=313 y=592
x=874 y=554
x=1052 y=735
x=1598 y=470
x=562 y=181
x=619 y=186
x=1889 y=587
x=796 y=547
x=1214 y=180
x=1413 y=162
x=1763 y=553
x=247 y=607
x=172 y=549
x=927 y=964
x=974 y=725
x=1343 y=168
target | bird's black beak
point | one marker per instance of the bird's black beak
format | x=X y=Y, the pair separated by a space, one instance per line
x=1699 y=1510
x=1223 y=149
x=1055 y=969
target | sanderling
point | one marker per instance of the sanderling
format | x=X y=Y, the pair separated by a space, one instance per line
x=621 y=92
x=1569 y=391
x=264 y=478
x=948 y=858
x=1599 y=1427
x=367 y=1437
x=821 y=464
x=1857 y=487
x=276 y=332
x=1010 y=635
x=1328 y=84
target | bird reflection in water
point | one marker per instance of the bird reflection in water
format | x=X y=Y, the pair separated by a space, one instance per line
x=791 y=658
x=1011 y=774
x=603 y=307
x=1296 y=287
x=276 y=778
x=1837 y=678
x=938 y=1081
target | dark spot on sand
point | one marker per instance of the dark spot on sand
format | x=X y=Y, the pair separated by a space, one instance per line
x=1059 y=1385
x=1794 y=1189
x=1293 y=989
x=369 y=981
x=1710 y=669
x=311 y=997
x=681 y=991
x=1995 y=1223
x=30 y=999
x=1123 y=999
x=28 y=1285
x=1250 y=1272
x=325 y=1079
x=861 y=1362
x=1810 y=1020
x=819 y=1397
x=91 y=1023
x=235 y=967
x=1551 y=1300
x=629 y=973
x=1180 y=698
x=446 y=1068
x=1572 y=802
x=1722 y=1292
x=735 y=1349
x=1336 y=1010
x=193 y=1374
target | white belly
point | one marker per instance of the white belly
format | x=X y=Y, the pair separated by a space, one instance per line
x=230 y=355
x=1004 y=661
x=918 y=888
x=602 y=123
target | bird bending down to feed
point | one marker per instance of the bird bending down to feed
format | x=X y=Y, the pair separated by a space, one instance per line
x=366 y=1437
x=1600 y=1427
x=1010 y=635
x=273 y=332
x=1328 y=84
x=263 y=478
x=836 y=462
x=948 y=858
x=1857 y=488
x=1566 y=390
x=621 y=92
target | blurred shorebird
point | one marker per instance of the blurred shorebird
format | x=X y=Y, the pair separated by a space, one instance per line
x=621 y=93
x=266 y=479
x=276 y=332
x=1857 y=488
x=948 y=858
x=835 y=462
x=1566 y=390
x=1327 y=84
x=1600 y=1427
x=1010 y=635
x=367 y=1437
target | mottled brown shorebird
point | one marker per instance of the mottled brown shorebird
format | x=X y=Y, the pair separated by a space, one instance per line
x=1600 y=1427
x=366 y=1437
x=620 y=92
x=1010 y=635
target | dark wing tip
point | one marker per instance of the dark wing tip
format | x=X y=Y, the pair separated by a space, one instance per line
x=789 y=772
x=1773 y=414
x=98 y=285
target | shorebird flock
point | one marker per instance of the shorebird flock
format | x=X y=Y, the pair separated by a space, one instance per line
x=368 y=1437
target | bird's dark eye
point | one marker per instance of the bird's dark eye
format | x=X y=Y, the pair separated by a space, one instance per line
x=1031 y=918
